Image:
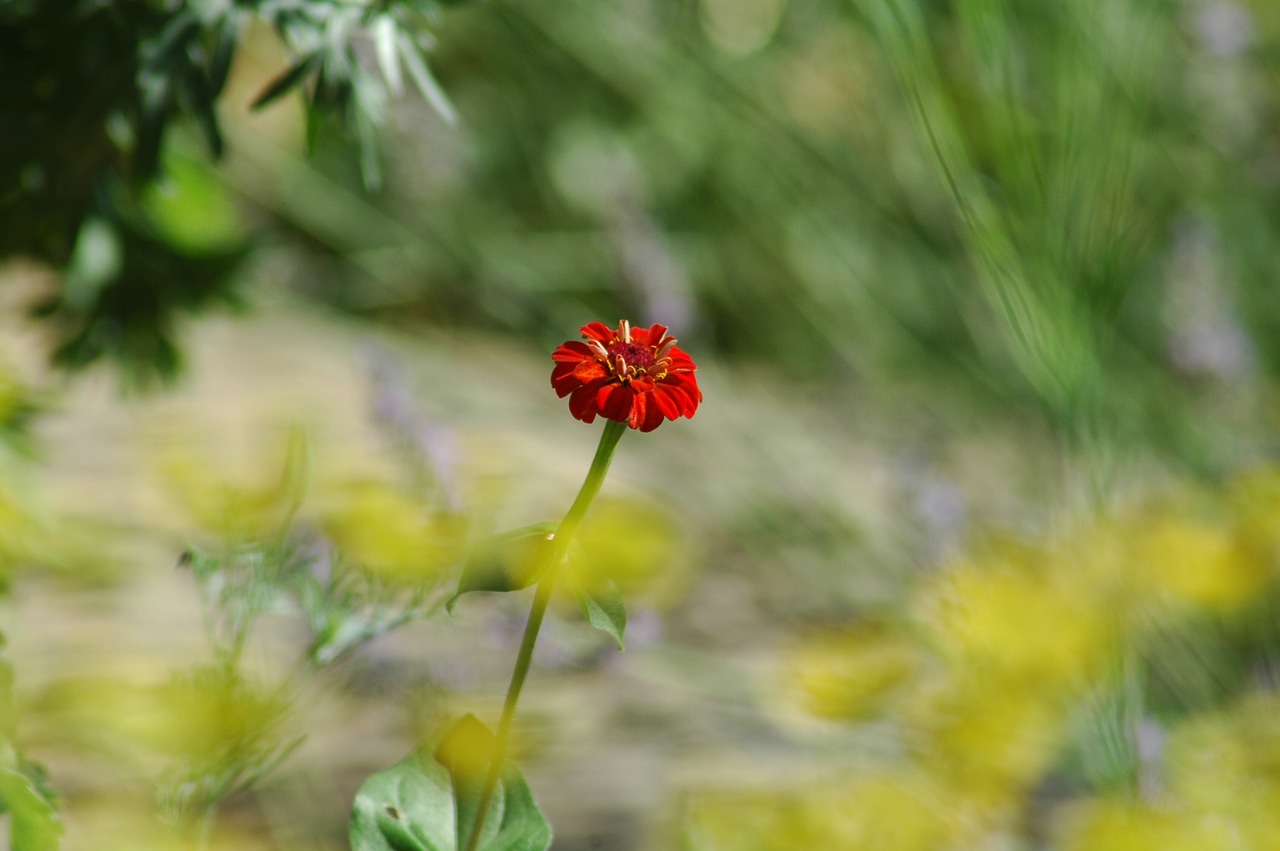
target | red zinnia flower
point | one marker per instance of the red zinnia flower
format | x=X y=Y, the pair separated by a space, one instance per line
x=631 y=375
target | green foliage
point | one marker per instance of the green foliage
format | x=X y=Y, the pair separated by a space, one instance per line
x=93 y=92
x=428 y=801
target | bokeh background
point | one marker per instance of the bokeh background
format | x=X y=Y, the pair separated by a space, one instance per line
x=972 y=545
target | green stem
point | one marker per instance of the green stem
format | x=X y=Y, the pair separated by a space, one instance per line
x=542 y=596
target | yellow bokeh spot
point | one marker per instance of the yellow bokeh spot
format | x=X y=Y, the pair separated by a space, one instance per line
x=1195 y=561
x=253 y=506
x=628 y=542
x=849 y=673
x=1106 y=825
x=993 y=740
x=382 y=528
x=895 y=812
x=1018 y=618
x=1227 y=764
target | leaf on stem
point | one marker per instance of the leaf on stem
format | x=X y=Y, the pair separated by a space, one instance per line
x=428 y=801
x=507 y=562
x=601 y=602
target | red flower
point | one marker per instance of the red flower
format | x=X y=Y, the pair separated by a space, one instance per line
x=631 y=375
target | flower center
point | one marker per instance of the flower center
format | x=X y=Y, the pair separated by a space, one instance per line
x=636 y=359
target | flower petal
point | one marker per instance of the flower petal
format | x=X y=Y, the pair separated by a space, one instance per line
x=563 y=380
x=582 y=404
x=615 y=401
x=590 y=370
x=652 y=414
x=599 y=331
x=638 y=408
x=670 y=402
x=687 y=387
x=571 y=352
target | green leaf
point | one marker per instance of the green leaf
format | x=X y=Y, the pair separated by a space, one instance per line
x=384 y=42
x=425 y=81
x=34 y=824
x=286 y=81
x=428 y=801
x=602 y=603
x=507 y=562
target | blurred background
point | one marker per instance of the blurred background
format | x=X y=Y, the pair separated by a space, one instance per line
x=974 y=543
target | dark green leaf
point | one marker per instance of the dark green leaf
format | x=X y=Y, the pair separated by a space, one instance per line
x=224 y=51
x=203 y=103
x=427 y=802
x=507 y=562
x=286 y=81
x=181 y=28
x=602 y=604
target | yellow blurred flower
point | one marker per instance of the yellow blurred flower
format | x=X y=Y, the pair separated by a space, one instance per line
x=902 y=811
x=380 y=527
x=1227 y=764
x=1111 y=825
x=990 y=740
x=906 y=811
x=1194 y=561
x=1016 y=616
x=1253 y=499
x=256 y=506
x=631 y=543
x=849 y=673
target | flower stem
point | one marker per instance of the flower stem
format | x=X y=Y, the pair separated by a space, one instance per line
x=562 y=538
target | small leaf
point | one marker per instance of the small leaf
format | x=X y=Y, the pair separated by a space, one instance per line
x=34 y=824
x=428 y=801
x=423 y=79
x=507 y=562
x=286 y=81
x=602 y=603
x=384 y=41
x=203 y=102
x=224 y=51
x=177 y=32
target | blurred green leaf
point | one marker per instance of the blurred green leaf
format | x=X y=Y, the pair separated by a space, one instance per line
x=34 y=824
x=428 y=801
x=281 y=85
x=424 y=80
x=507 y=562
